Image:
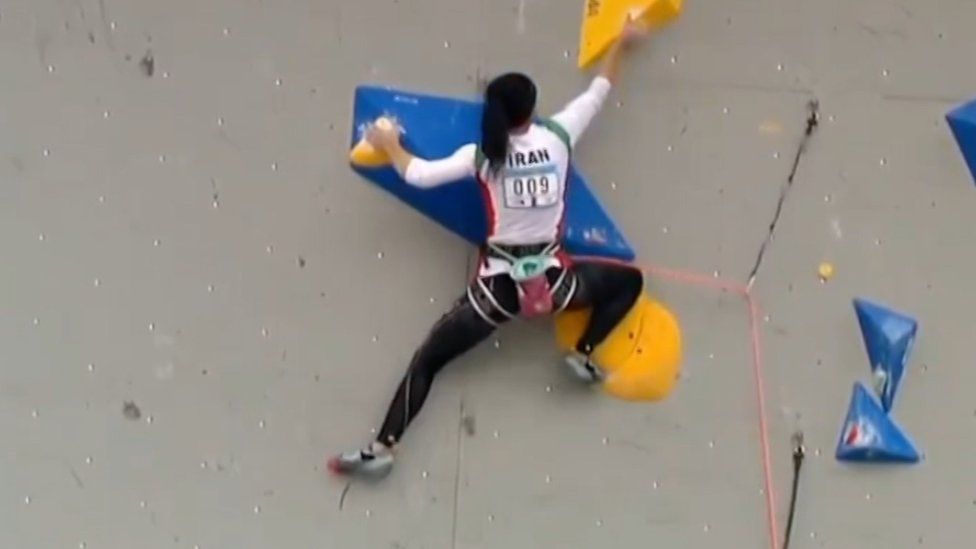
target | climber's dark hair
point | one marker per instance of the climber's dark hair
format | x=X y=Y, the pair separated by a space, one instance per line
x=509 y=102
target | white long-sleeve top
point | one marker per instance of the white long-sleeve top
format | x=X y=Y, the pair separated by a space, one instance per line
x=526 y=198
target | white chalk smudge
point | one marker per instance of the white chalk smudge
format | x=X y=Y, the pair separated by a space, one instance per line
x=163 y=340
x=520 y=17
x=165 y=370
x=835 y=227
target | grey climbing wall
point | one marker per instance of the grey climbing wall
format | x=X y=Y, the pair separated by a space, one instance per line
x=199 y=301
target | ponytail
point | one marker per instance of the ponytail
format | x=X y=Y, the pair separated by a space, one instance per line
x=494 y=133
x=509 y=102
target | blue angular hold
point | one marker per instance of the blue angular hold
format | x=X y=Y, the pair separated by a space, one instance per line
x=870 y=435
x=889 y=337
x=435 y=127
x=962 y=122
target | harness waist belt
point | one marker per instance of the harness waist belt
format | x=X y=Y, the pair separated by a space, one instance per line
x=511 y=252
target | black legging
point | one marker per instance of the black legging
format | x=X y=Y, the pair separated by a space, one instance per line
x=610 y=290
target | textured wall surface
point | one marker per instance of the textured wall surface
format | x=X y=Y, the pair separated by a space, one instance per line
x=199 y=300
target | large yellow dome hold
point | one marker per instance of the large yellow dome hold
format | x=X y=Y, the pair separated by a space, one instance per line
x=642 y=355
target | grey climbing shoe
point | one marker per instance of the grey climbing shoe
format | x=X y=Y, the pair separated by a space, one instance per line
x=376 y=461
x=583 y=368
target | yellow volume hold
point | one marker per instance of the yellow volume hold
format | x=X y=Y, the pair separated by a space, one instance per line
x=603 y=21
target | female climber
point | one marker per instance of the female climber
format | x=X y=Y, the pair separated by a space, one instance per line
x=522 y=165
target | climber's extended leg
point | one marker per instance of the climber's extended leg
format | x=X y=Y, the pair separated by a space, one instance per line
x=489 y=302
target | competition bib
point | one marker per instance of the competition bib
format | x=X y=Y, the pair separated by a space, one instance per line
x=535 y=189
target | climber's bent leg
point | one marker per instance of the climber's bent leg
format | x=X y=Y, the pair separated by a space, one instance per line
x=610 y=291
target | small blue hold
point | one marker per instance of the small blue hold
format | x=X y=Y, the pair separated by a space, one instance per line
x=962 y=122
x=889 y=337
x=870 y=435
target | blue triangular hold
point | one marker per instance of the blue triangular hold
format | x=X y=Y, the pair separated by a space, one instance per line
x=435 y=127
x=869 y=434
x=962 y=122
x=889 y=337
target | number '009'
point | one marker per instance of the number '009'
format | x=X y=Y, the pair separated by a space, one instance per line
x=530 y=186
